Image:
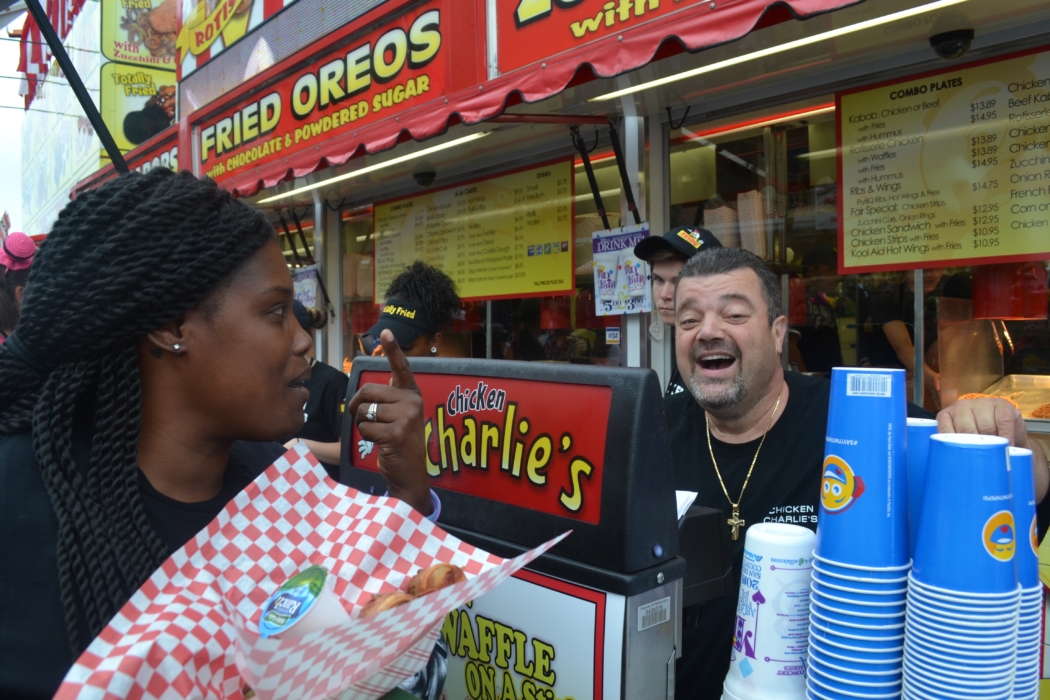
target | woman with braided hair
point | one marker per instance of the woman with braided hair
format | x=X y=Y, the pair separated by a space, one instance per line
x=420 y=303
x=155 y=360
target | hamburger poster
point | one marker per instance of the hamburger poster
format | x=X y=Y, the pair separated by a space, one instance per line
x=140 y=32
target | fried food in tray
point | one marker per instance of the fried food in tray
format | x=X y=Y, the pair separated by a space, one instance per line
x=1042 y=412
x=385 y=601
x=433 y=578
x=990 y=396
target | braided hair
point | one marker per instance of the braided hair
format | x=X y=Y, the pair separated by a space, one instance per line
x=120 y=261
x=429 y=288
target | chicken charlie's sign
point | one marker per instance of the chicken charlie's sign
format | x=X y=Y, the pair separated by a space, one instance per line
x=533 y=444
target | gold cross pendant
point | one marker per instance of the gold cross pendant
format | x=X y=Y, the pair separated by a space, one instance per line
x=736 y=523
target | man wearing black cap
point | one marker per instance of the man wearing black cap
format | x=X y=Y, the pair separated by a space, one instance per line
x=666 y=255
x=325 y=408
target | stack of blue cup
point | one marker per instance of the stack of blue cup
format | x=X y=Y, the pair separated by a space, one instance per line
x=860 y=568
x=963 y=596
x=920 y=430
x=1030 y=627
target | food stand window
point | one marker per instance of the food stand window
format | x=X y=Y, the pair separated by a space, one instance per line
x=765 y=182
x=561 y=328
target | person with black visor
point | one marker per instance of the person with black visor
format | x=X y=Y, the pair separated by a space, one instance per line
x=667 y=255
x=420 y=303
x=326 y=407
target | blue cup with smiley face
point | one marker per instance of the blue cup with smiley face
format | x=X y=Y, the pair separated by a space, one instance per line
x=1022 y=481
x=968 y=536
x=864 y=486
x=919 y=432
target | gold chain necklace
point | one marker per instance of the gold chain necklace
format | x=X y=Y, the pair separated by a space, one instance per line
x=736 y=522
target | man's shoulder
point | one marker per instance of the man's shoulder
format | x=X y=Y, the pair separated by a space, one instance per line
x=808 y=385
x=680 y=402
x=682 y=413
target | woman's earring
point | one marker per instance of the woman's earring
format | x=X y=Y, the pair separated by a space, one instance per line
x=433 y=350
x=176 y=347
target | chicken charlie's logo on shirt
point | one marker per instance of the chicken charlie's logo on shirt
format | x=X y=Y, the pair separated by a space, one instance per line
x=999 y=538
x=839 y=487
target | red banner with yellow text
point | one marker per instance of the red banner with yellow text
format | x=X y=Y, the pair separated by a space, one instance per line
x=370 y=78
x=536 y=30
x=531 y=444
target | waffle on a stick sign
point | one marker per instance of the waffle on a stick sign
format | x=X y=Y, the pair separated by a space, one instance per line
x=533 y=444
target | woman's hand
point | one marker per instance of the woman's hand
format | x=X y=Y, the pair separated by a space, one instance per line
x=397 y=430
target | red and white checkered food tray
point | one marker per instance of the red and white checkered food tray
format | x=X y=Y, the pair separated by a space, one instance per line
x=191 y=631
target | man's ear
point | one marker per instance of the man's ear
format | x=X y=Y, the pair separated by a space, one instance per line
x=779 y=331
x=168 y=338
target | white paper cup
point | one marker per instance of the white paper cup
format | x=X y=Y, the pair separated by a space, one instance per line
x=770 y=638
x=306 y=603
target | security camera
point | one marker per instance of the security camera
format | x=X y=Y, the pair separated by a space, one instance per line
x=952 y=45
x=424 y=174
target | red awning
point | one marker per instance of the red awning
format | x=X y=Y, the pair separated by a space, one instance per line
x=692 y=28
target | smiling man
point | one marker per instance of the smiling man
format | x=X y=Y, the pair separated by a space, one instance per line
x=749 y=438
x=666 y=255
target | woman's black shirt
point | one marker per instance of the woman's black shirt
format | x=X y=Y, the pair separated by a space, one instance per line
x=34 y=648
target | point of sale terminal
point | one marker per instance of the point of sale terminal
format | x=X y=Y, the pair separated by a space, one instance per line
x=521 y=452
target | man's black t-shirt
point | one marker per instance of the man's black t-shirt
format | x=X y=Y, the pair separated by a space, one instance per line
x=327 y=404
x=34 y=649
x=675 y=385
x=325 y=409
x=784 y=488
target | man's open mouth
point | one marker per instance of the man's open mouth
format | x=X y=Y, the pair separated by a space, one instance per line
x=716 y=361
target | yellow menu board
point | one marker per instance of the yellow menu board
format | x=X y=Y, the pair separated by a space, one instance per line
x=947 y=169
x=505 y=236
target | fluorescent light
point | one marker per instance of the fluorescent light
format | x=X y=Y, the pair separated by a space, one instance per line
x=758 y=123
x=815 y=155
x=377 y=166
x=798 y=43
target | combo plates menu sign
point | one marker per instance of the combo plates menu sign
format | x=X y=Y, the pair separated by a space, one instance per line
x=947 y=169
x=506 y=236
